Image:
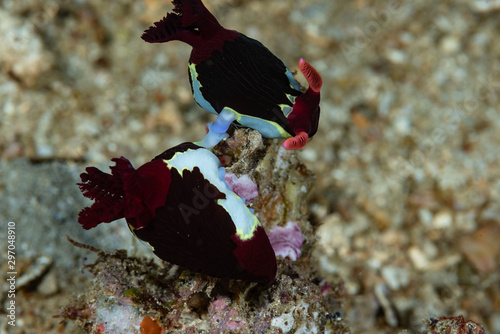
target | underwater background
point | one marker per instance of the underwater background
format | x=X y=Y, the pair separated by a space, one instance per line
x=402 y=177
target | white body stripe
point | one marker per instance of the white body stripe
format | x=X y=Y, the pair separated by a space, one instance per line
x=198 y=96
x=209 y=164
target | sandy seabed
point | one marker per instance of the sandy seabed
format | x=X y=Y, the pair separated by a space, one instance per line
x=405 y=204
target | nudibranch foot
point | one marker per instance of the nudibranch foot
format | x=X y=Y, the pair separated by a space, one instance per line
x=217 y=130
x=212 y=138
x=224 y=120
x=294 y=143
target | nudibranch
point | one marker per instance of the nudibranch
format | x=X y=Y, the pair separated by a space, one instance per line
x=239 y=79
x=181 y=206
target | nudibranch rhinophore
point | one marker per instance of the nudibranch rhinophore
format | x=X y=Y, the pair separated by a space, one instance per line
x=180 y=205
x=239 y=79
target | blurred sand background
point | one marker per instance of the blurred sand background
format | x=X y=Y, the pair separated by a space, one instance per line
x=406 y=201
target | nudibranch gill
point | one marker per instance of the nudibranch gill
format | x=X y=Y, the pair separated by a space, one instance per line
x=181 y=206
x=239 y=79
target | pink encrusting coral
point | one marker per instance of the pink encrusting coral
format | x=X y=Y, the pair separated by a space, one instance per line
x=223 y=316
x=242 y=186
x=287 y=240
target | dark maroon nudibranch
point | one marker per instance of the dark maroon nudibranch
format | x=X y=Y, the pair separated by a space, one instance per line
x=239 y=79
x=181 y=206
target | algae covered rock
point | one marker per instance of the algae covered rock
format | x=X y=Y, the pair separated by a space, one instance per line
x=177 y=300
